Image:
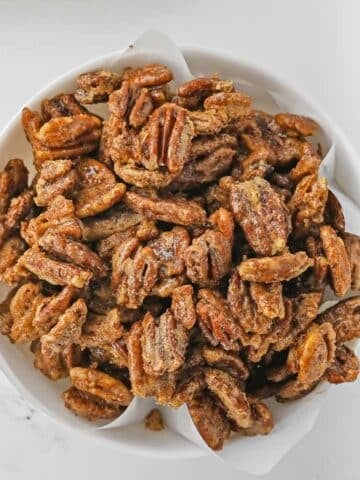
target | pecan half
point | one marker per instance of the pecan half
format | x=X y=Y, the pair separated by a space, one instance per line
x=88 y=407
x=216 y=321
x=22 y=309
x=210 y=421
x=163 y=344
x=151 y=75
x=172 y=210
x=308 y=201
x=182 y=306
x=13 y=180
x=296 y=125
x=73 y=252
x=96 y=86
x=101 y=385
x=334 y=214
x=57 y=177
x=10 y=252
x=309 y=359
x=53 y=271
x=61 y=137
x=130 y=104
x=134 y=273
x=345 y=367
x=97 y=189
x=101 y=330
x=59 y=215
x=166 y=139
x=338 y=259
x=275 y=269
x=208 y=258
x=345 y=318
x=261 y=214
x=50 y=356
x=352 y=245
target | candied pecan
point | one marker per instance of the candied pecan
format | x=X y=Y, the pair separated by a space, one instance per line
x=96 y=86
x=182 y=306
x=188 y=386
x=59 y=215
x=223 y=360
x=89 y=407
x=151 y=75
x=66 y=331
x=74 y=252
x=345 y=367
x=163 y=343
x=162 y=388
x=6 y=319
x=22 y=308
x=275 y=269
x=57 y=177
x=234 y=400
x=299 y=313
x=100 y=385
x=165 y=141
x=142 y=178
x=100 y=330
x=154 y=420
x=53 y=271
x=210 y=421
x=207 y=169
x=172 y=210
x=219 y=195
x=169 y=249
x=309 y=359
x=61 y=137
x=262 y=215
x=207 y=122
x=13 y=180
x=216 y=321
x=338 y=259
x=63 y=105
x=308 y=201
x=244 y=309
x=18 y=209
x=10 y=252
x=146 y=230
x=345 y=318
x=268 y=299
x=232 y=104
x=130 y=104
x=114 y=353
x=334 y=214
x=141 y=384
x=308 y=163
x=208 y=258
x=352 y=245
x=49 y=310
x=134 y=273
x=296 y=125
x=204 y=84
x=117 y=219
x=98 y=188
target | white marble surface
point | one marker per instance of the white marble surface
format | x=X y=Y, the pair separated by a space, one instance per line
x=316 y=45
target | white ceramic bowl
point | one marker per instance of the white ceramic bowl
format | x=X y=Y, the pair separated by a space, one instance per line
x=16 y=361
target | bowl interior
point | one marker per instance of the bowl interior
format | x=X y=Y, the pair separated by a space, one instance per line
x=17 y=361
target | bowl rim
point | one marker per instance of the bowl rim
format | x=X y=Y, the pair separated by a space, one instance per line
x=216 y=54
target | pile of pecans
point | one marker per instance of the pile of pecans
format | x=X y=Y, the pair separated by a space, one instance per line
x=179 y=249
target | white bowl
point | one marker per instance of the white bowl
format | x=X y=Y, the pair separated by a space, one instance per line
x=16 y=361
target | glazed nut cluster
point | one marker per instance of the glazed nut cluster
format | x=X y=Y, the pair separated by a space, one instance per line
x=178 y=249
